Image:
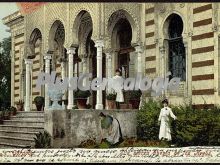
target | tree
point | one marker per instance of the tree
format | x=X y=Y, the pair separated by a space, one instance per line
x=5 y=72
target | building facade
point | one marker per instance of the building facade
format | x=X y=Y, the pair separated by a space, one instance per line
x=97 y=38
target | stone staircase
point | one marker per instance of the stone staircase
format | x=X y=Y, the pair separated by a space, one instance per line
x=20 y=130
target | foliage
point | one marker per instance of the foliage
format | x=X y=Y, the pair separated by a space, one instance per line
x=42 y=140
x=142 y=143
x=192 y=127
x=13 y=110
x=147 y=119
x=90 y=143
x=39 y=100
x=111 y=96
x=82 y=94
x=134 y=94
x=5 y=74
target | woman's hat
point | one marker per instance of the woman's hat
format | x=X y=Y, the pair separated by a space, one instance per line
x=165 y=101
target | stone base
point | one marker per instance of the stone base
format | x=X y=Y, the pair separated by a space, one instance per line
x=70 y=127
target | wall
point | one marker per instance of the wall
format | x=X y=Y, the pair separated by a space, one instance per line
x=81 y=125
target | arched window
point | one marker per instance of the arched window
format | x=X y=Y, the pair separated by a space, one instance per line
x=177 y=54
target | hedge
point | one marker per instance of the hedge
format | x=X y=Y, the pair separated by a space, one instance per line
x=192 y=128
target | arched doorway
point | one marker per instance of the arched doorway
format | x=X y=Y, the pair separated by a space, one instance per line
x=35 y=43
x=56 y=42
x=123 y=37
x=121 y=40
x=120 y=28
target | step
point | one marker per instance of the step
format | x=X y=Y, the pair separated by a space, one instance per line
x=30 y=113
x=17 y=140
x=21 y=128
x=23 y=123
x=9 y=145
x=21 y=134
x=28 y=118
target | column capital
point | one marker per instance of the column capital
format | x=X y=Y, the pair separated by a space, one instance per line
x=99 y=43
x=139 y=49
x=72 y=49
x=162 y=49
x=28 y=61
x=48 y=55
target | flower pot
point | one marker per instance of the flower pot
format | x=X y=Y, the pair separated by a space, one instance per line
x=135 y=103
x=81 y=103
x=39 y=107
x=111 y=104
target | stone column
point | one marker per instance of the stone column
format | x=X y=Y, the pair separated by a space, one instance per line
x=109 y=64
x=139 y=51
x=70 y=51
x=84 y=69
x=28 y=63
x=163 y=61
x=99 y=44
x=163 y=66
x=63 y=73
x=47 y=59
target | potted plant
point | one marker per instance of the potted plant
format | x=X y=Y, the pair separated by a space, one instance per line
x=20 y=105
x=39 y=102
x=13 y=110
x=111 y=97
x=134 y=98
x=81 y=98
x=6 y=113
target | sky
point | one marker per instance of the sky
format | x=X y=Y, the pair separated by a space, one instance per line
x=5 y=10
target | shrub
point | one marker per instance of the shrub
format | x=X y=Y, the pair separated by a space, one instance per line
x=192 y=127
x=147 y=119
x=82 y=94
x=39 y=100
x=42 y=140
x=134 y=94
x=111 y=96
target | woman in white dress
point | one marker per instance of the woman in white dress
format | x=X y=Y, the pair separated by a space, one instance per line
x=165 y=112
x=118 y=82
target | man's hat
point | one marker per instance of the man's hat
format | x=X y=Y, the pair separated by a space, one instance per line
x=165 y=101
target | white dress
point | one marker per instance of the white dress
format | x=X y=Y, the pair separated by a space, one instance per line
x=114 y=136
x=164 y=124
x=118 y=80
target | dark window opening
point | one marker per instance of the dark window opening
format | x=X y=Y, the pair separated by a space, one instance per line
x=177 y=54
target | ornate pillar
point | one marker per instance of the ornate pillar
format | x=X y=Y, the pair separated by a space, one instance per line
x=163 y=61
x=47 y=59
x=63 y=73
x=70 y=51
x=99 y=44
x=84 y=69
x=109 y=63
x=163 y=66
x=186 y=55
x=139 y=51
x=28 y=63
